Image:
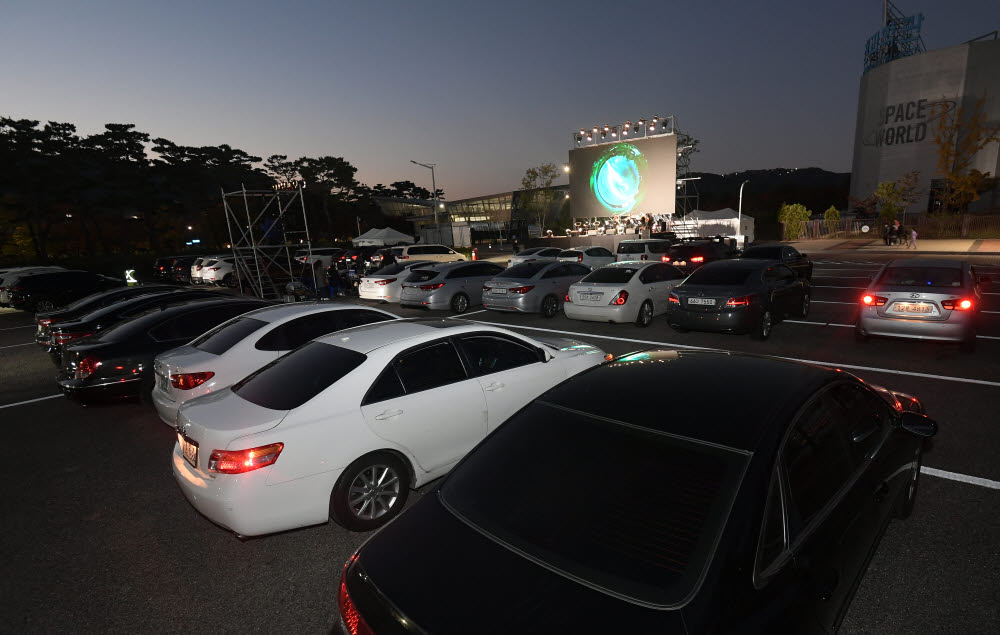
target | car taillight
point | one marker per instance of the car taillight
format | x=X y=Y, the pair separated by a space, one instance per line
x=674 y=298
x=87 y=367
x=402 y=257
x=47 y=321
x=957 y=305
x=62 y=338
x=743 y=300
x=240 y=461
x=197 y=268
x=567 y=299
x=874 y=300
x=620 y=299
x=384 y=281
x=431 y=287
x=579 y=258
x=643 y=257
x=162 y=268
x=354 y=257
x=187 y=381
x=352 y=619
x=665 y=259
x=698 y=259
x=521 y=289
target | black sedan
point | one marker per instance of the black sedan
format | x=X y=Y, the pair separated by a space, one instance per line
x=62 y=333
x=785 y=254
x=656 y=518
x=692 y=255
x=48 y=291
x=118 y=362
x=91 y=303
x=738 y=296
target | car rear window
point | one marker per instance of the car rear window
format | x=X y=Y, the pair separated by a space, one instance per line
x=650 y=544
x=569 y=253
x=719 y=275
x=611 y=274
x=552 y=251
x=631 y=248
x=225 y=336
x=524 y=270
x=770 y=253
x=949 y=277
x=422 y=275
x=295 y=378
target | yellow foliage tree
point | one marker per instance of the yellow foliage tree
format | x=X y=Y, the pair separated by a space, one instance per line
x=960 y=134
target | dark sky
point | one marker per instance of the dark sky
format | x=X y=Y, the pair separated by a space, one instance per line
x=484 y=90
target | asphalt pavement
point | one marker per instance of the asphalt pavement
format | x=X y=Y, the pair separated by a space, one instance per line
x=97 y=536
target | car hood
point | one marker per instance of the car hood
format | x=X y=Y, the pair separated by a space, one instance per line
x=465 y=575
x=216 y=420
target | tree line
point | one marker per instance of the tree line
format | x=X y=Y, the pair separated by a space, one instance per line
x=122 y=191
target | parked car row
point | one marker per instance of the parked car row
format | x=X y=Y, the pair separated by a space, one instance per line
x=42 y=289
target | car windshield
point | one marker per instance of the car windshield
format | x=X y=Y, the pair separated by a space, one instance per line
x=631 y=248
x=770 y=253
x=225 y=336
x=728 y=276
x=949 y=277
x=523 y=271
x=611 y=274
x=651 y=544
x=421 y=275
x=686 y=251
x=295 y=378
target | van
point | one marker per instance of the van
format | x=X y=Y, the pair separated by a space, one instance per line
x=435 y=253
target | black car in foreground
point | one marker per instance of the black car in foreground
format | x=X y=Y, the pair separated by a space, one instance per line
x=118 y=361
x=758 y=513
x=785 y=254
x=62 y=333
x=83 y=306
x=48 y=291
x=738 y=296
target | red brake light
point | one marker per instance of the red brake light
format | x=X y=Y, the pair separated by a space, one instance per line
x=957 y=305
x=402 y=257
x=354 y=257
x=431 y=287
x=87 y=367
x=47 y=321
x=352 y=619
x=620 y=299
x=698 y=259
x=874 y=300
x=674 y=299
x=187 y=381
x=665 y=259
x=198 y=268
x=643 y=257
x=240 y=461
x=385 y=281
x=521 y=289
x=743 y=300
x=579 y=258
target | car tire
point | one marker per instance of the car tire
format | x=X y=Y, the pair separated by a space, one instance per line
x=550 y=306
x=764 y=325
x=645 y=316
x=459 y=303
x=804 y=308
x=230 y=281
x=371 y=505
x=44 y=305
x=909 y=495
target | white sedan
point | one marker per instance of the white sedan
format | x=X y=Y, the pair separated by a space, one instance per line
x=386 y=283
x=344 y=426
x=233 y=350
x=623 y=292
x=592 y=256
x=534 y=253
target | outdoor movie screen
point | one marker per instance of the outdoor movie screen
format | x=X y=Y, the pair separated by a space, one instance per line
x=636 y=176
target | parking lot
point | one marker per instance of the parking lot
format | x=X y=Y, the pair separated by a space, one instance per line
x=97 y=536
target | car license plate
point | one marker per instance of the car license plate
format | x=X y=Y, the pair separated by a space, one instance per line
x=190 y=451
x=367 y=285
x=498 y=291
x=681 y=263
x=706 y=301
x=593 y=297
x=164 y=382
x=912 y=307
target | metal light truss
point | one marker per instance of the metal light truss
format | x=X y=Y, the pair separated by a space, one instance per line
x=600 y=135
x=264 y=262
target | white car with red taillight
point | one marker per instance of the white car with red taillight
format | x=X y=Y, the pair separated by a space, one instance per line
x=345 y=425
x=240 y=346
x=385 y=284
x=623 y=292
x=592 y=256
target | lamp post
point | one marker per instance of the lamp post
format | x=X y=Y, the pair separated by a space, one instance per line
x=434 y=191
x=739 y=213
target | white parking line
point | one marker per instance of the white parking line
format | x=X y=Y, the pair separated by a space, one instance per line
x=850 y=326
x=21 y=403
x=888 y=371
x=14 y=328
x=830 y=302
x=472 y=313
x=16 y=345
x=962 y=478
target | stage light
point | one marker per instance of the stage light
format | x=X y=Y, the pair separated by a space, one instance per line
x=582 y=132
x=606 y=128
x=566 y=167
x=603 y=134
x=635 y=129
x=589 y=138
x=625 y=132
x=614 y=133
x=656 y=118
x=595 y=128
x=579 y=138
x=652 y=127
x=642 y=122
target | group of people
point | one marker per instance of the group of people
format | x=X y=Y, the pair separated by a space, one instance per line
x=896 y=234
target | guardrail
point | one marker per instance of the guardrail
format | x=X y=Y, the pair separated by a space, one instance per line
x=928 y=226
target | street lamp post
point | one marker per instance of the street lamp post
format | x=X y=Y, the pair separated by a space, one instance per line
x=434 y=191
x=739 y=213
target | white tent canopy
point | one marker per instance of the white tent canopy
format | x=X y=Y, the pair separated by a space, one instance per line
x=381 y=238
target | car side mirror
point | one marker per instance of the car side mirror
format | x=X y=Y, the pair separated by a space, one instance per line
x=544 y=355
x=918 y=424
x=985 y=280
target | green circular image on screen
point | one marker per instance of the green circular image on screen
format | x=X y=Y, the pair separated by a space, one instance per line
x=617 y=178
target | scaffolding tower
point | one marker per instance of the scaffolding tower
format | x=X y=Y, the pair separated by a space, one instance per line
x=265 y=232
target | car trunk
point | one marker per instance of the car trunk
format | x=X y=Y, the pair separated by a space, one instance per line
x=596 y=293
x=916 y=303
x=708 y=298
x=184 y=359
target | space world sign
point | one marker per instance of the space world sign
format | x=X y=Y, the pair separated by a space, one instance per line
x=906 y=122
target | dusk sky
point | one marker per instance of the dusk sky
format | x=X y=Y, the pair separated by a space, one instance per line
x=484 y=90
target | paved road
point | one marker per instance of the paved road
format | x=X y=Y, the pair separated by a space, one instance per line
x=97 y=537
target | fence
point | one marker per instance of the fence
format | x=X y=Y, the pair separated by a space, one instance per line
x=928 y=226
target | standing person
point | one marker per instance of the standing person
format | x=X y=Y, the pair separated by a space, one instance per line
x=336 y=287
x=885 y=234
x=513 y=243
x=913 y=238
x=321 y=281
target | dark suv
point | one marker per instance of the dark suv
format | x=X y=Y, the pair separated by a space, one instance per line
x=47 y=291
x=688 y=256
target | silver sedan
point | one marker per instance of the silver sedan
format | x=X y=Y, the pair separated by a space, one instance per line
x=534 y=253
x=537 y=286
x=386 y=283
x=451 y=285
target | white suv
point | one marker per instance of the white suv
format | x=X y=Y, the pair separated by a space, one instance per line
x=436 y=253
x=219 y=272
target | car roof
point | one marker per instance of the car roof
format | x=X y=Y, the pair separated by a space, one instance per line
x=749 y=264
x=365 y=339
x=448 y=266
x=645 y=240
x=288 y=311
x=739 y=393
x=633 y=263
x=927 y=262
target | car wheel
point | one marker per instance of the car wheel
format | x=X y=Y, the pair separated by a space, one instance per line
x=764 y=325
x=804 y=309
x=370 y=492
x=645 y=316
x=230 y=281
x=909 y=496
x=550 y=306
x=460 y=303
x=44 y=305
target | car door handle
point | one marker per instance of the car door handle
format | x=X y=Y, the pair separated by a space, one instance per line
x=388 y=414
x=881 y=492
x=494 y=386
